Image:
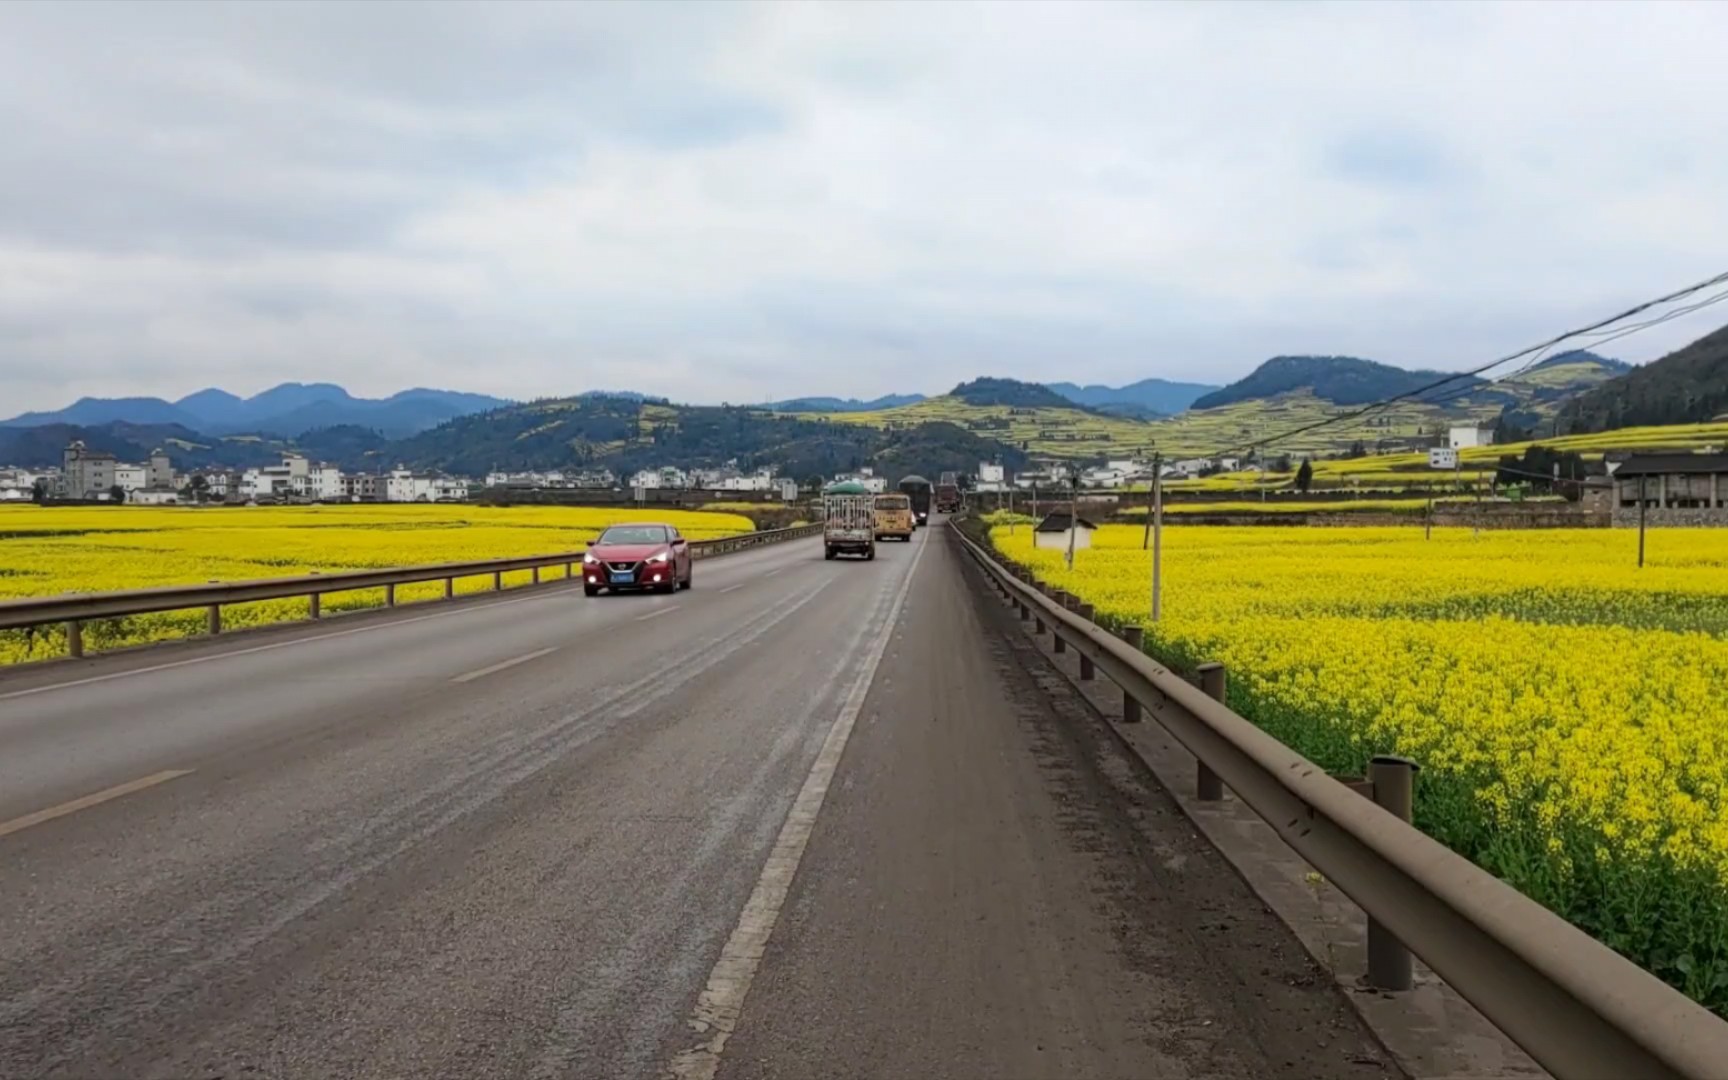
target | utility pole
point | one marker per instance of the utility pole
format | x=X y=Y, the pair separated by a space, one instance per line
x=1428 y=522
x=1146 y=541
x=1073 y=516
x=1157 y=542
x=1643 y=501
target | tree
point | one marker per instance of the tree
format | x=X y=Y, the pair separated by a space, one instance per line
x=199 y=486
x=1357 y=450
x=1305 y=477
x=39 y=491
x=1281 y=463
x=117 y=494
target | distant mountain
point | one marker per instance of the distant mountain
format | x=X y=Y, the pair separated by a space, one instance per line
x=841 y=405
x=609 y=431
x=1011 y=392
x=287 y=410
x=1689 y=385
x=1584 y=357
x=1342 y=380
x=42 y=445
x=90 y=412
x=1148 y=397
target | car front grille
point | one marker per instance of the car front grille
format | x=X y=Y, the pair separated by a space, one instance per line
x=621 y=567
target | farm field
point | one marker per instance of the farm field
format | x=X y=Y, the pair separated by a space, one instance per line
x=1570 y=711
x=1476 y=464
x=45 y=551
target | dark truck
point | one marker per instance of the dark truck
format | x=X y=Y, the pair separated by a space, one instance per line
x=917 y=489
x=948 y=494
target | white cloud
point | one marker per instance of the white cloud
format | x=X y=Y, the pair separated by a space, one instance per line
x=739 y=202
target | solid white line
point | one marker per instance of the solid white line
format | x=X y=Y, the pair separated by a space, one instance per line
x=655 y=614
x=87 y=801
x=722 y=1001
x=733 y=588
x=225 y=654
x=501 y=665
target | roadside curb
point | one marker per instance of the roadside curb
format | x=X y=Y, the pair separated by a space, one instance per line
x=1432 y=1032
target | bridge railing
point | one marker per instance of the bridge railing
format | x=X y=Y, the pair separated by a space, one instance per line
x=1575 y=1006
x=73 y=610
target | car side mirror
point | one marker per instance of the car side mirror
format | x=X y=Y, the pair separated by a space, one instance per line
x=680 y=542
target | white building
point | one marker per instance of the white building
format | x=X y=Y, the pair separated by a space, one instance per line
x=325 y=483
x=760 y=480
x=154 y=496
x=666 y=477
x=131 y=477
x=1057 y=533
x=404 y=486
x=1463 y=438
x=1442 y=457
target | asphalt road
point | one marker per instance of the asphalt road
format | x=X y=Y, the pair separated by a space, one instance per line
x=810 y=819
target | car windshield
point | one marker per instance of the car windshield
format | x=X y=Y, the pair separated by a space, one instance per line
x=633 y=534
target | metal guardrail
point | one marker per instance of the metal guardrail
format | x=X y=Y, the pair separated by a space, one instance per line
x=1577 y=1007
x=76 y=609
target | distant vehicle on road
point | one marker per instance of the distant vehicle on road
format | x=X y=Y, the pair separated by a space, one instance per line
x=849 y=520
x=918 y=490
x=948 y=494
x=635 y=557
x=893 y=517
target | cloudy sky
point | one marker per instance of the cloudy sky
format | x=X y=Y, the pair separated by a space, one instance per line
x=738 y=202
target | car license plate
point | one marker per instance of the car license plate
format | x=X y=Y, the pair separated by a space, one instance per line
x=622 y=579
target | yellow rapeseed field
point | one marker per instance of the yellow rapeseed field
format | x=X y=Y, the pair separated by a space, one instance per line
x=45 y=551
x=1570 y=710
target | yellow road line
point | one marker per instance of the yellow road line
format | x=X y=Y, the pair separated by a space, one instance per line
x=18 y=824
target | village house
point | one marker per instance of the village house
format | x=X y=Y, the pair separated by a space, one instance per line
x=1055 y=530
x=1671 y=489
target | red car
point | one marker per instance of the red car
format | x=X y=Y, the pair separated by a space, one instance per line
x=637 y=557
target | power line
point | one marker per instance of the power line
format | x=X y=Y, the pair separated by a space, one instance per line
x=1637 y=309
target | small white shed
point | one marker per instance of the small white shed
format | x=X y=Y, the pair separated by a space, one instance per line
x=1053 y=532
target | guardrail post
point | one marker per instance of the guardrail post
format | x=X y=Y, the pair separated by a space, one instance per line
x=1208 y=787
x=1065 y=601
x=1389 y=966
x=497 y=581
x=1134 y=636
x=314 y=603
x=390 y=595
x=215 y=619
x=1087 y=671
x=536 y=575
x=74 y=639
x=449 y=588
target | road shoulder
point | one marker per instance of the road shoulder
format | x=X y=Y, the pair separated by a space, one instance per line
x=994 y=890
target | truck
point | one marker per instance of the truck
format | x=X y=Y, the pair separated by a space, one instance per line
x=848 y=520
x=917 y=489
x=948 y=494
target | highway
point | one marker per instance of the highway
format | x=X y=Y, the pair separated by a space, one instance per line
x=809 y=819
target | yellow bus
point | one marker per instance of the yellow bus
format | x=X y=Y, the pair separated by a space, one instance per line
x=893 y=517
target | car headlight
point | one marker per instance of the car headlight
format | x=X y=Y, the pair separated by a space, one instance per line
x=588 y=559
x=660 y=557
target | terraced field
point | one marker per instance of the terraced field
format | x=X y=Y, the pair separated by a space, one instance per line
x=1072 y=433
x=1476 y=465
